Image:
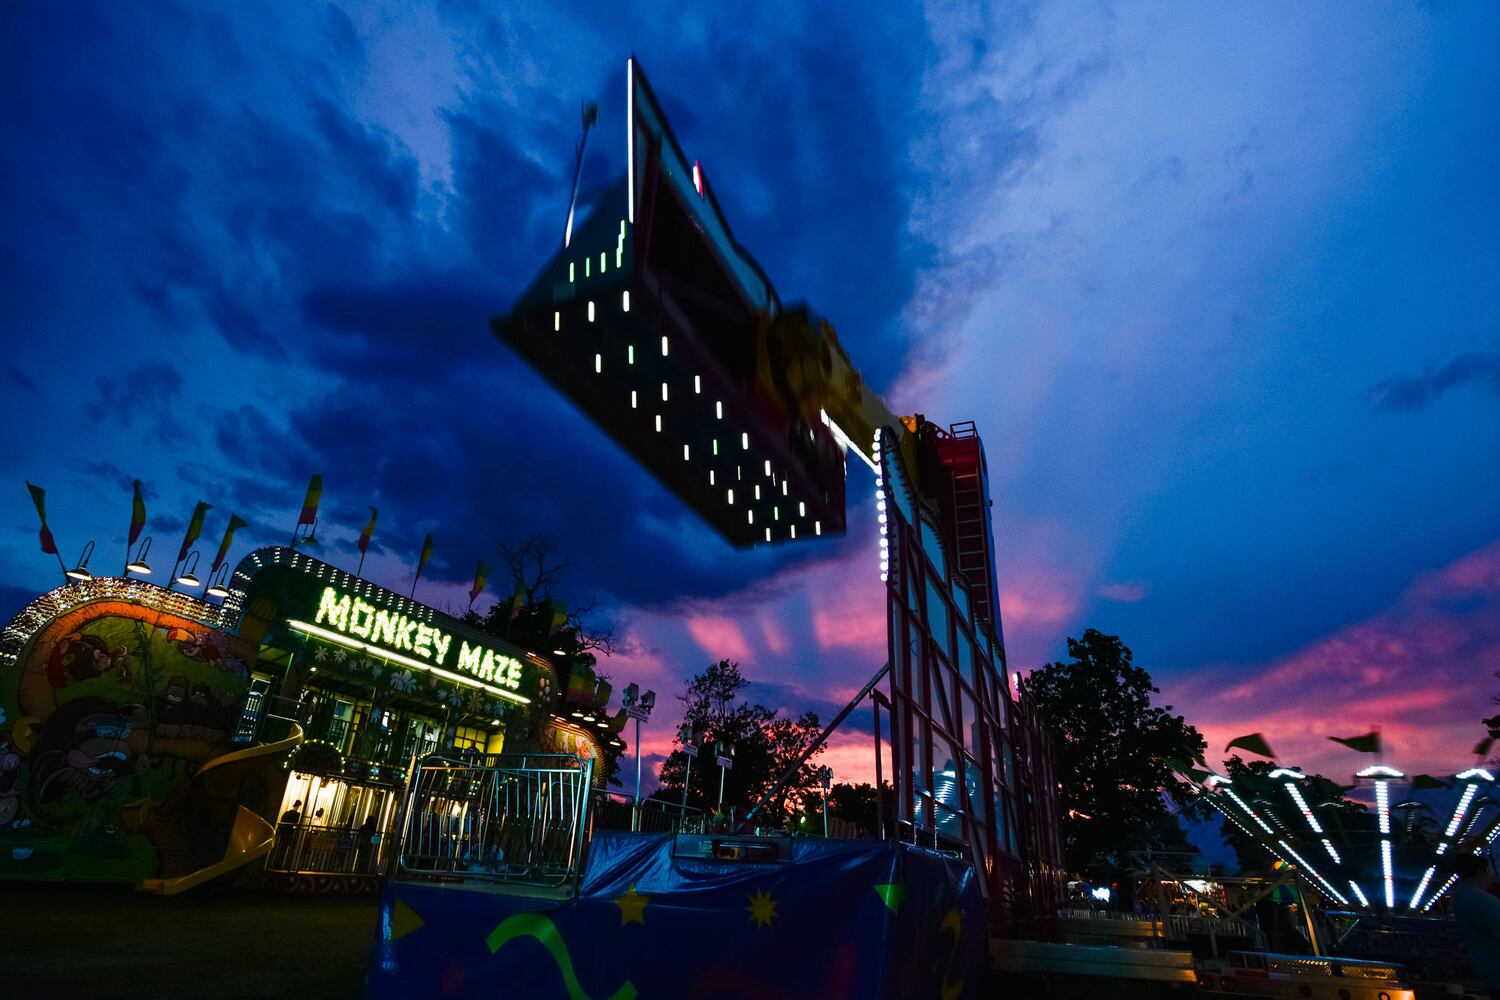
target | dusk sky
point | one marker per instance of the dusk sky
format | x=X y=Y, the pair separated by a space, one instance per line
x=1218 y=284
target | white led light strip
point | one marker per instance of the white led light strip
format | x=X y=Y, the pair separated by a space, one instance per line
x=1363 y=901
x=1439 y=894
x=1422 y=887
x=345 y=641
x=1313 y=871
x=1390 y=884
x=1296 y=794
x=880 y=508
x=1251 y=812
x=1463 y=807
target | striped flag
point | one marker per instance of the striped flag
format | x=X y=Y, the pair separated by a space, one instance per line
x=235 y=523
x=559 y=617
x=310 y=502
x=195 y=528
x=39 y=497
x=517 y=600
x=365 y=536
x=137 y=515
x=481 y=575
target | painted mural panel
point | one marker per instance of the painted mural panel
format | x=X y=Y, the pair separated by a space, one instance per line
x=107 y=714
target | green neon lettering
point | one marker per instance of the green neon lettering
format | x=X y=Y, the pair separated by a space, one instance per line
x=468 y=658
x=356 y=616
x=385 y=628
x=328 y=606
x=362 y=618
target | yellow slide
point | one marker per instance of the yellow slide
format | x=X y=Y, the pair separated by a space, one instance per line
x=251 y=836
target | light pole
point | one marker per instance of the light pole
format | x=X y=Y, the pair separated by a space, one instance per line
x=724 y=756
x=825 y=777
x=638 y=706
x=685 y=734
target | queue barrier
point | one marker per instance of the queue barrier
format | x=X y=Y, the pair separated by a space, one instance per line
x=505 y=818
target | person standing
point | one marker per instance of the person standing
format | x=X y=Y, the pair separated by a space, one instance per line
x=1477 y=912
x=364 y=841
x=286 y=830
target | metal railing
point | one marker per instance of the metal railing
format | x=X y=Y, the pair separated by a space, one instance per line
x=618 y=811
x=510 y=818
x=324 y=850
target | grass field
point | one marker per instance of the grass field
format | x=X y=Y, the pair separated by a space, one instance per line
x=64 y=941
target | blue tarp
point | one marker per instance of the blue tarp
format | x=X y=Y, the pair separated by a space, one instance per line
x=865 y=919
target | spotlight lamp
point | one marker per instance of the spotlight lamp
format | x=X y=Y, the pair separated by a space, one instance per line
x=217 y=583
x=138 y=565
x=81 y=571
x=186 y=578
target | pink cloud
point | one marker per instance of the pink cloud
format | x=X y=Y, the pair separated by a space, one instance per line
x=720 y=637
x=1421 y=670
x=774 y=636
x=1125 y=591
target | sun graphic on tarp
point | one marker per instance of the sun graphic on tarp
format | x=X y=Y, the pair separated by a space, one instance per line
x=762 y=908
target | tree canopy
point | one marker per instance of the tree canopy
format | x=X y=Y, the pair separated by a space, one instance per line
x=1113 y=746
x=765 y=745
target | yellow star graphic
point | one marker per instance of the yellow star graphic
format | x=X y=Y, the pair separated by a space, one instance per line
x=632 y=907
x=762 y=908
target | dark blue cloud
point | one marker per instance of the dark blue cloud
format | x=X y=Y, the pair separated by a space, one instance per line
x=1403 y=393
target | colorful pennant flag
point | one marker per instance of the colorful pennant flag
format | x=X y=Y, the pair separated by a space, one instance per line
x=39 y=497
x=364 y=536
x=426 y=553
x=137 y=515
x=235 y=523
x=481 y=575
x=517 y=600
x=1368 y=743
x=580 y=686
x=310 y=502
x=1253 y=743
x=195 y=528
x=559 y=617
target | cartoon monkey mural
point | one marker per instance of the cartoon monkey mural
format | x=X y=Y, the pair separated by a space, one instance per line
x=105 y=718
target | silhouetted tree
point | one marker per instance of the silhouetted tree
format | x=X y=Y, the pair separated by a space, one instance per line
x=857 y=804
x=1112 y=749
x=765 y=745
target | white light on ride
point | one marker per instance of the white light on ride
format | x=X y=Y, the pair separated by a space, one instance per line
x=1422 y=887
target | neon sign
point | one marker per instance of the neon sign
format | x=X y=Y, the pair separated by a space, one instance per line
x=406 y=640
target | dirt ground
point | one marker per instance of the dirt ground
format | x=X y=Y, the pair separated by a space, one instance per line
x=64 y=941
